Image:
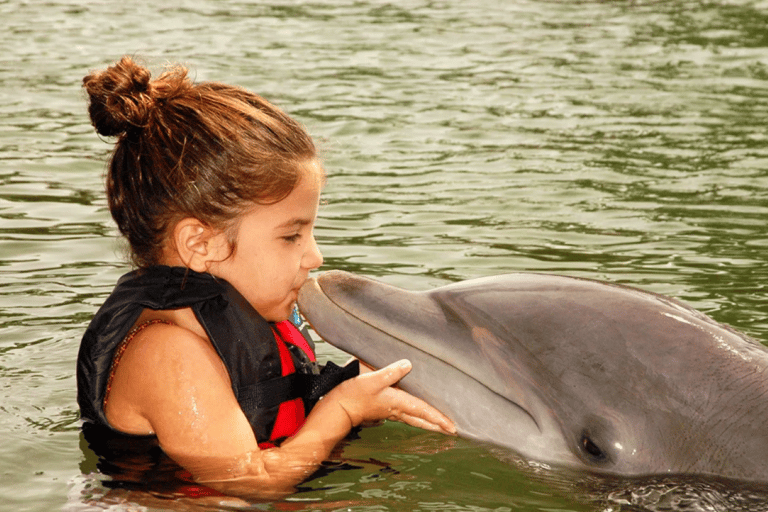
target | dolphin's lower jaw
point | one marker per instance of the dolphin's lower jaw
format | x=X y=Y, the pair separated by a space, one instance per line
x=498 y=421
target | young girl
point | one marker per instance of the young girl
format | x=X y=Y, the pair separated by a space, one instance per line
x=216 y=191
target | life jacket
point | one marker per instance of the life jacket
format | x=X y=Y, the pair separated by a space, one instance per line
x=272 y=366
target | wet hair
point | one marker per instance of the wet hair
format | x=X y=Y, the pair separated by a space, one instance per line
x=205 y=150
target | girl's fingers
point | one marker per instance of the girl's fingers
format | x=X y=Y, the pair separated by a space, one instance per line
x=415 y=421
x=390 y=375
x=418 y=413
x=402 y=406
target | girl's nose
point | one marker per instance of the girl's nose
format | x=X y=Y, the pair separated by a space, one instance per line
x=313 y=258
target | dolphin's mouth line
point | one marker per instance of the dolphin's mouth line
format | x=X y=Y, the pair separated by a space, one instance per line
x=345 y=310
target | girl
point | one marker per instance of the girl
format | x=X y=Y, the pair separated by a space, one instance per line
x=216 y=191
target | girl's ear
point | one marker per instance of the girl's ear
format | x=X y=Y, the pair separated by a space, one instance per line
x=197 y=245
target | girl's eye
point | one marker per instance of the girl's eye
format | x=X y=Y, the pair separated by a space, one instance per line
x=292 y=238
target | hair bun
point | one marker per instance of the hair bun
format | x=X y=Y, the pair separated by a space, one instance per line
x=120 y=97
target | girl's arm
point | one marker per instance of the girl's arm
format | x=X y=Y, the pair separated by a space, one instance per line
x=171 y=382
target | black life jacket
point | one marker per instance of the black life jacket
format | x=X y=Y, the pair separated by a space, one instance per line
x=272 y=366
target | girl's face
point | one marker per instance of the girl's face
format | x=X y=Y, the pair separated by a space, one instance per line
x=276 y=249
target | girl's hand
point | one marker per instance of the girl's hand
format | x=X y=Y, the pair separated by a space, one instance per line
x=370 y=397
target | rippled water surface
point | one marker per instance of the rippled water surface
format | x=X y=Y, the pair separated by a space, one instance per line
x=621 y=140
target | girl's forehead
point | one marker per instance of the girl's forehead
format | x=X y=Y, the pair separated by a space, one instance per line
x=298 y=207
x=314 y=169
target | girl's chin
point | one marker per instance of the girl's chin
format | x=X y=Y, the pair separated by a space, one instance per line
x=278 y=314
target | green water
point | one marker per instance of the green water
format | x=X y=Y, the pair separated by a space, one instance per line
x=620 y=140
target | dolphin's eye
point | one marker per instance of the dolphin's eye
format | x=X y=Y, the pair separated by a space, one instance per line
x=592 y=451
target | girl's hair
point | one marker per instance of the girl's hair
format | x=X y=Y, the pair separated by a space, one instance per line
x=206 y=150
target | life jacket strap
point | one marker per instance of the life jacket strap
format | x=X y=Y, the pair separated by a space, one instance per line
x=272 y=393
x=309 y=387
x=330 y=376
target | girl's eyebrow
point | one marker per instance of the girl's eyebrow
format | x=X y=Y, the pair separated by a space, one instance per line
x=297 y=221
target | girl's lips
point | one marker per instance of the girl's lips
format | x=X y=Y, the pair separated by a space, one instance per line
x=294 y=295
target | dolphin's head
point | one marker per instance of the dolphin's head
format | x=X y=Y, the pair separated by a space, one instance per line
x=564 y=370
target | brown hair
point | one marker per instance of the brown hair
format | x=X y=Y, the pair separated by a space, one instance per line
x=206 y=150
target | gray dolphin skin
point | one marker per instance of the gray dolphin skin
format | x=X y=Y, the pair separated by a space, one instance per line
x=564 y=370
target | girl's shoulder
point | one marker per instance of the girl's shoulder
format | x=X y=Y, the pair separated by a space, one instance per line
x=164 y=340
x=159 y=368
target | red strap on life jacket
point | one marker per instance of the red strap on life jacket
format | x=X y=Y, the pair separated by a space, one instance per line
x=291 y=414
x=292 y=335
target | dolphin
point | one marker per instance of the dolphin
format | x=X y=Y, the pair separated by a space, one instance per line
x=566 y=371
